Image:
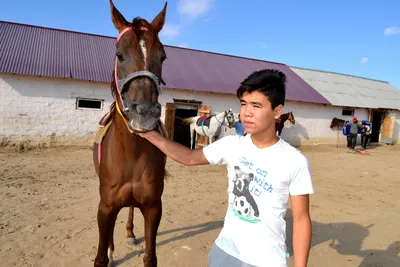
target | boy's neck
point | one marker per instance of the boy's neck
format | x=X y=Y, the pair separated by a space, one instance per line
x=263 y=140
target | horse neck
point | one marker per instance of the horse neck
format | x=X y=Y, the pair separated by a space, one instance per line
x=220 y=117
x=284 y=117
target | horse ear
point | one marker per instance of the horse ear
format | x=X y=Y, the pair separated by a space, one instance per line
x=158 y=22
x=119 y=21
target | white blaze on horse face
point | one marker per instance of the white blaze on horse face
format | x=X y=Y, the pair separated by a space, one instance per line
x=144 y=51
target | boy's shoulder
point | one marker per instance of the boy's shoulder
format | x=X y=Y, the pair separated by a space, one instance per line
x=292 y=154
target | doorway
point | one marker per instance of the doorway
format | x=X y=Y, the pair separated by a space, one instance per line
x=182 y=131
x=377 y=118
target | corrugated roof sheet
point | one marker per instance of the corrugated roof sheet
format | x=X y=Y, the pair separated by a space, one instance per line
x=33 y=50
x=351 y=91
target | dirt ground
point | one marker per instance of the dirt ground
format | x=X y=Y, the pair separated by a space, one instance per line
x=49 y=202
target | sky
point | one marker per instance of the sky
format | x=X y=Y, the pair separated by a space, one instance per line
x=358 y=37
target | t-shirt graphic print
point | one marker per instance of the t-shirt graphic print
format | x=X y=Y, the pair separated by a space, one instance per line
x=244 y=206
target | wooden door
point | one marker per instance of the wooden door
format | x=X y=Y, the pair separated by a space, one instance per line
x=203 y=111
x=387 y=128
x=170 y=119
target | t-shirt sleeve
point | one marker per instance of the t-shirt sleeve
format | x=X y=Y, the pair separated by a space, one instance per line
x=301 y=182
x=217 y=152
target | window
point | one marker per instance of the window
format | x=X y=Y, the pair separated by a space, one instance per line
x=87 y=103
x=347 y=112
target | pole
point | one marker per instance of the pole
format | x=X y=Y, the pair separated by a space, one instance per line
x=337 y=139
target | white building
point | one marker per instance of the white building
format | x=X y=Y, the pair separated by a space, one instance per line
x=53 y=94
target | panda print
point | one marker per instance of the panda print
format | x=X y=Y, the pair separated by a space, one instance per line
x=244 y=202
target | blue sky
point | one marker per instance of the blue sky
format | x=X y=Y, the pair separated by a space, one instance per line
x=354 y=37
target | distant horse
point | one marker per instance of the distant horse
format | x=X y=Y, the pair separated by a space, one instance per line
x=280 y=123
x=131 y=170
x=211 y=126
x=337 y=122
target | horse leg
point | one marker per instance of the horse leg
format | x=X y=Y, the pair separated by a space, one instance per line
x=192 y=137
x=106 y=221
x=152 y=217
x=211 y=139
x=129 y=228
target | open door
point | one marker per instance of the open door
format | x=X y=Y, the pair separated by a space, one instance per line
x=203 y=111
x=170 y=119
x=387 y=128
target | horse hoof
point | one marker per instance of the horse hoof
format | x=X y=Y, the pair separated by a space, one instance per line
x=132 y=241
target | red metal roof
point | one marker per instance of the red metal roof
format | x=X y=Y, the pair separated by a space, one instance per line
x=39 y=51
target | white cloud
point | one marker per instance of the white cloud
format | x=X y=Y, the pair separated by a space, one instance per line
x=194 y=8
x=392 y=31
x=364 y=60
x=184 y=45
x=170 y=31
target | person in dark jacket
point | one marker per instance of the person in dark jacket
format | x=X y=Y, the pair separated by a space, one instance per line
x=354 y=126
x=365 y=135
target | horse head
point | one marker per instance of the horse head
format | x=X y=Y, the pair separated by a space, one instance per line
x=138 y=69
x=333 y=122
x=230 y=118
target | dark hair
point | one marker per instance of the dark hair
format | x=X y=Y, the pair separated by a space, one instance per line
x=269 y=82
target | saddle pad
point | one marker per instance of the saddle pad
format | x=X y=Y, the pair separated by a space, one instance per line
x=204 y=120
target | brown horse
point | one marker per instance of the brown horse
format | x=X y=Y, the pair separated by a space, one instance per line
x=131 y=170
x=337 y=122
x=280 y=123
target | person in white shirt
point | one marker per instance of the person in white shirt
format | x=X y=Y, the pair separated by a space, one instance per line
x=264 y=172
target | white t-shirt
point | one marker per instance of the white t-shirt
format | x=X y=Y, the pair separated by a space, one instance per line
x=260 y=181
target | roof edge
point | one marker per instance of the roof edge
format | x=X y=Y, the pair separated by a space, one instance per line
x=55 y=29
x=338 y=73
x=112 y=37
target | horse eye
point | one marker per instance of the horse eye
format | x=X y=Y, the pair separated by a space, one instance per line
x=120 y=56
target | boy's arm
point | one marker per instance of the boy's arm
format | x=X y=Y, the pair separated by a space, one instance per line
x=301 y=229
x=176 y=151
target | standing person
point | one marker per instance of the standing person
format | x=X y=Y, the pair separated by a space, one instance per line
x=365 y=135
x=239 y=127
x=264 y=172
x=354 y=126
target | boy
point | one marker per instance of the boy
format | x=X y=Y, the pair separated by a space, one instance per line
x=263 y=171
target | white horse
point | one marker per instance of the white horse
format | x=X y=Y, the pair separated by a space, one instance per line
x=211 y=126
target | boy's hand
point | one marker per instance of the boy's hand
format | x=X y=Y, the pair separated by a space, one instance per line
x=148 y=135
x=174 y=150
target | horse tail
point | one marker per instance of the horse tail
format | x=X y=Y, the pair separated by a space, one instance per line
x=187 y=120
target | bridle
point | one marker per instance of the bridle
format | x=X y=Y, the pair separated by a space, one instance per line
x=223 y=120
x=120 y=83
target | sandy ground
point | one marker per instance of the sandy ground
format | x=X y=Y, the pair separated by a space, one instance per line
x=49 y=202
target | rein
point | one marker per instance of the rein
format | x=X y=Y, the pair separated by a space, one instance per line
x=121 y=83
x=223 y=121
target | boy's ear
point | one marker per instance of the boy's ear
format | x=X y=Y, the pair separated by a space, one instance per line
x=278 y=112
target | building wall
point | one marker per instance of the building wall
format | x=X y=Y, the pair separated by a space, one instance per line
x=37 y=111
x=42 y=111
x=313 y=121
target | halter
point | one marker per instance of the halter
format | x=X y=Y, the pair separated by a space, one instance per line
x=119 y=83
x=223 y=120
